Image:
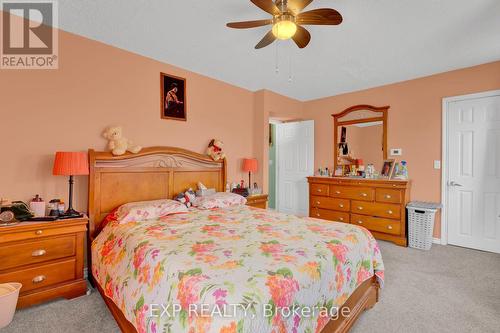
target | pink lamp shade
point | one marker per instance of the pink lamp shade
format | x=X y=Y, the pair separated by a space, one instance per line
x=250 y=165
x=71 y=164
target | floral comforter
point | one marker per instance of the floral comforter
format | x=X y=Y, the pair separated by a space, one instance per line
x=238 y=269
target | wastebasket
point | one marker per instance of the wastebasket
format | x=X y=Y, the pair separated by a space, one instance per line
x=421 y=216
x=9 y=293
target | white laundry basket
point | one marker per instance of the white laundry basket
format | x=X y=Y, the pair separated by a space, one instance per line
x=421 y=216
x=9 y=293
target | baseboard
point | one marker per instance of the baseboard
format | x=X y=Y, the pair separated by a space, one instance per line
x=436 y=241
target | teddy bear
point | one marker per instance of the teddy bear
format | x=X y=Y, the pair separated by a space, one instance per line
x=214 y=150
x=117 y=143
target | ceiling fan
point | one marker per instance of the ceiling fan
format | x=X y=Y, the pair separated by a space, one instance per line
x=288 y=20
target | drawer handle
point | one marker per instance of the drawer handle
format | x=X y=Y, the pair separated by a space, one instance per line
x=341 y=218
x=364 y=194
x=39 y=278
x=341 y=206
x=389 y=212
x=360 y=222
x=318 y=203
x=38 y=232
x=319 y=190
x=38 y=253
x=317 y=214
x=337 y=192
x=388 y=196
x=389 y=227
x=360 y=208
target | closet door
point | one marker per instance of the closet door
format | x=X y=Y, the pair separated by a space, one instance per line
x=473 y=172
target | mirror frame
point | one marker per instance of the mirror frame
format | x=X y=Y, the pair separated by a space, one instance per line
x=383 y=110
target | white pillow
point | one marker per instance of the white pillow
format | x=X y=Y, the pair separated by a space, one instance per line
x=219 y=200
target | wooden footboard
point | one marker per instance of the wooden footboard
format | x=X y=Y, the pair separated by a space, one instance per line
x=364 y=297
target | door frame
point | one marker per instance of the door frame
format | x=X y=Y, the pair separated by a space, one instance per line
x=444 y=154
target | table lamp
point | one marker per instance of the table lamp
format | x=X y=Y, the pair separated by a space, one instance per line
x=71 y=164
x=250 y=165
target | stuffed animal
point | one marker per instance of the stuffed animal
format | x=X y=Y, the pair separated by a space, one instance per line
x=190 y=196
x=117 y=143
x=181 y=198
x=214 y=150
x=187 y=198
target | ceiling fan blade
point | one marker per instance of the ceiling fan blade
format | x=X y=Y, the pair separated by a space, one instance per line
x=323 y=16
x=267 y=6
x=249 y=24
x=302 y=37
x=268 y=39
x=296 y=6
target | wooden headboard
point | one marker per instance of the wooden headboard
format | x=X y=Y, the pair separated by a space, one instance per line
x=154 y=173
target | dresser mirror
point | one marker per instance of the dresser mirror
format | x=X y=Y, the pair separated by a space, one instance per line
x=360 y=136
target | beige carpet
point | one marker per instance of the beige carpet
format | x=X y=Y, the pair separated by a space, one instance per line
x=447 y=289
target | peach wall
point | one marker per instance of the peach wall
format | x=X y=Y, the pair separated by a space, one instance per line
x=44 y=111
x=414 y=120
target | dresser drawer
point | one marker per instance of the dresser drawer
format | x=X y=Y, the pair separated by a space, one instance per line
x=376 y=209
x=330 y=215
x=331 y=203
x=388 y=195
x=42 y=276
x=352 y=192
x=32 y=252
x=319 y=189
x=377 y=224
x=41 y=232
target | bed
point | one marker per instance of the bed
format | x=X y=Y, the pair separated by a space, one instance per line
x=265 y=261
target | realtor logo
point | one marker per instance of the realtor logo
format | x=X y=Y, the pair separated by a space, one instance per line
x=29 y=35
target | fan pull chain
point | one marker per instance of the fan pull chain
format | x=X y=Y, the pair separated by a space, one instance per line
x=290 y=71
x=277 y=66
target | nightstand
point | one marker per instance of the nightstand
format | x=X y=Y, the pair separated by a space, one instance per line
x=258 y=201
x=46 y=257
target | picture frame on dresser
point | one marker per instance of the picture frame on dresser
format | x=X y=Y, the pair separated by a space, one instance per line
x=387 y=168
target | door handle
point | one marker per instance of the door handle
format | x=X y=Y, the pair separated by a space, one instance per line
x=453 y=183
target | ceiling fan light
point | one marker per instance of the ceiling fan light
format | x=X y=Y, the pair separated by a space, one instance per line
x=284 y=29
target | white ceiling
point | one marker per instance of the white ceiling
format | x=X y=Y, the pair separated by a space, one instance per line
x=379 y=42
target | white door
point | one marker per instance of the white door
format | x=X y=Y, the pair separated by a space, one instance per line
x=473 y=171
x=295 y=162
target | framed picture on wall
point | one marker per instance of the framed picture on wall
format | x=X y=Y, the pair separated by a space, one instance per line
x=173 y=97
x=387 y=168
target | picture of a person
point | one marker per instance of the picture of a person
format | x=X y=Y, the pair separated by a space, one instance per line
x=386 y=169
x=173 y=106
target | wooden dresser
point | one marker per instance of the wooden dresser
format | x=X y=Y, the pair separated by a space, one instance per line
x=376 y=204
x=46 y=257
x=259 y=201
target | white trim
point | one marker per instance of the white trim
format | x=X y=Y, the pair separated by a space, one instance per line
x=275 y=121
x=444 y=157
x=436 y=241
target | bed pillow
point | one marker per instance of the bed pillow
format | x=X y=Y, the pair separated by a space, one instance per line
x=148 y=210
x=219 y=200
